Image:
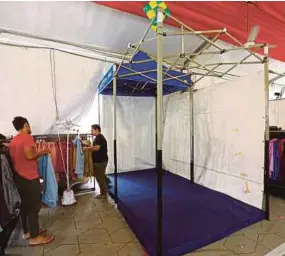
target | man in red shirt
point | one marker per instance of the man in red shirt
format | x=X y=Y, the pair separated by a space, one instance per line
x=24 y=157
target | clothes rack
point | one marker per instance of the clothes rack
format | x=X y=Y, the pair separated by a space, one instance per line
x=79 y=187
x=276 y=186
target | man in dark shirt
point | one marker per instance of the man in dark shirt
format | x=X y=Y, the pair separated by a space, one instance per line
x=100 y=159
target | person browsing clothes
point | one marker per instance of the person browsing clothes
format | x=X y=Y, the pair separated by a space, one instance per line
x=100 y=159
x=24 y=158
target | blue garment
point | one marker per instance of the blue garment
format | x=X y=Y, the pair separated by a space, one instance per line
x=46 y=171
x=79 y=166
x=276 y=161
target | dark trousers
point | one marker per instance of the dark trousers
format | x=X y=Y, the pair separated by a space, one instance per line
x=30 y=193
x=100 y=175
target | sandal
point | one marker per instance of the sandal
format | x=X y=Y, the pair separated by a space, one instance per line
x=42 y=240
x=41 y=231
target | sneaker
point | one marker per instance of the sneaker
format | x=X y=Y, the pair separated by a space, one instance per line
x=101 y=197
x=41 y=240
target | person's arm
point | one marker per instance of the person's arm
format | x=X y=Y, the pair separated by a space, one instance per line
x=30 y=150
x=97 y=146
x=92 y=149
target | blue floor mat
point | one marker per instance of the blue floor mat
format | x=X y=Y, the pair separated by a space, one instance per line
x=193 y=216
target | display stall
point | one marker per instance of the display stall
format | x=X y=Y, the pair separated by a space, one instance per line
x=209 y=178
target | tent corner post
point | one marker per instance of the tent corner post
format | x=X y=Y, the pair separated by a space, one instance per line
x=99 y=108
x=99 y=122
x=191 y=106
x=266 y=135
x=159 y=101
x=115 y=133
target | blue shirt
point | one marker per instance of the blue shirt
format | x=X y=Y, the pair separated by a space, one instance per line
x=79 y=166
x=46 y=171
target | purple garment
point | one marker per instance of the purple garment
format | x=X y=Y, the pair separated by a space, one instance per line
x=271 y=158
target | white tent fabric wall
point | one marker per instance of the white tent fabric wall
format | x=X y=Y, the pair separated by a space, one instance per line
x=27 y=88
x=135 y=132
x=277 y=113
x=176 y=134
x=229 y=133
x=76 y=82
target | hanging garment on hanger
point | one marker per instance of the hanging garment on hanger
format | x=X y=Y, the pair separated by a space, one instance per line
x=88 y=163
x=72 y=173
x=74 y=159
x=5 y=215
x=276 y=161
x=10 y=191
x=271 y=158
x=46 y=171
x=79 y=167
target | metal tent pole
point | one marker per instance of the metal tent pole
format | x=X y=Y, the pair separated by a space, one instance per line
x=191 y=112
x=155 y=100
x=115 y=133
x=99 y=109
x=67 y=161
x=99 y=119
x=159 y=102
x=266 y=143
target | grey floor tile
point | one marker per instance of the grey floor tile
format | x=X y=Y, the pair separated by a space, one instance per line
x=131 y=249
x=94 y=236
x=26 y=251
x=101 y=249
x=240 y=244
x=270 y=241
x=70 y=250
x=122 y=235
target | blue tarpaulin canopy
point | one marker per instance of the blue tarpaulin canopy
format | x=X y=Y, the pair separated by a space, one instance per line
x=139 y=78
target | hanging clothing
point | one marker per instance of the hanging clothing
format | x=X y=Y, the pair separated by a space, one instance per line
x=276 y=162
x=88 y=163
x=10 y=202
x=5 y=215
x=71 y=168
x=79 y=167
x=10 y=191
x=282 y=163
x=46 y=171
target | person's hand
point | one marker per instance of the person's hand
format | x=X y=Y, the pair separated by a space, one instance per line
x=85 y=149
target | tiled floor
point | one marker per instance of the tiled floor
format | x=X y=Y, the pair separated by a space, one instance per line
x=96 y=228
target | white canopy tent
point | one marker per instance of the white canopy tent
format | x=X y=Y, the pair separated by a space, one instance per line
x=228 y=153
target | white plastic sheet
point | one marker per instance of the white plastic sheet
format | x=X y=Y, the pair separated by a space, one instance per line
x=27 y=89
x=277 y=113
x=229 y=132
x=228 y=136
x=176 y=137
x=135 y=132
